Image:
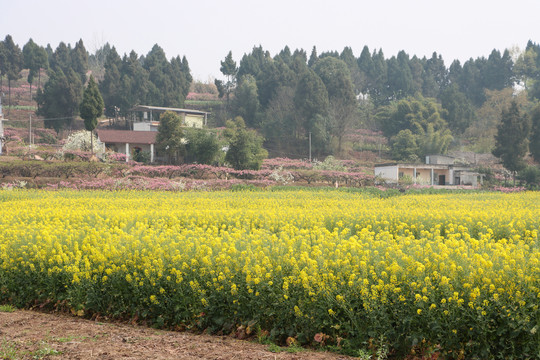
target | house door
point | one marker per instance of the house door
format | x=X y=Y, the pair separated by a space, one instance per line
x=457 y=181
x=442 y=180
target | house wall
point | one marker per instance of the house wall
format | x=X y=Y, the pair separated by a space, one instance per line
x=145 y=126
x=423 y=174
x=468 y=179
x=389 y=173
x=121 y=147
x=438 y=172
x=141 y=126
x=196 y=121
x=439 y=160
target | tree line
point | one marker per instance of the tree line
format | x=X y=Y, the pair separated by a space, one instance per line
x=149 y=79
x=420 y=104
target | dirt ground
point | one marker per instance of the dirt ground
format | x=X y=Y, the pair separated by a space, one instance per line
x=35 y=335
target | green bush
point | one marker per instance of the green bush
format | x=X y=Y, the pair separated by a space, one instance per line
x=531 y=176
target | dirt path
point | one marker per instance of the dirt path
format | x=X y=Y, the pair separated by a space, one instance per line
x=34 y=335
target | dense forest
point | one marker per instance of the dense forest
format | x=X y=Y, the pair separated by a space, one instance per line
x=420 y=105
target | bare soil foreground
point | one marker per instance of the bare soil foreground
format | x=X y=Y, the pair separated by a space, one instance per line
x=34 y=335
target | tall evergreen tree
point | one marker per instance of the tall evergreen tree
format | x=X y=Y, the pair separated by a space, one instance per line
x=400 y=82
x=347 y=56
x=311 y=103
x=511 y=141
x=534 y=145
x=61 y=58
x=14 y=63
x=274 y=74
x=497 y=73
x=336 y=77
x=435 y=76
x=378 y=76
x=3 y=63
x=229 y=69
x=313 y=57
x=471 y=82
x=91 y=108
x=110 y=86
x=246 y=102
x=460 y=112
x=79 y=60
x=365 y=65
x=161 y=91
x=60 y=98
x=35 y=58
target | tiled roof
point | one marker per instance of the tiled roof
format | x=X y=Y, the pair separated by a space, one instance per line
x=127 y=136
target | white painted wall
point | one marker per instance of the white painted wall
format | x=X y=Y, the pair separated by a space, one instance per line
x=196 y=121
x=141 y=126
x=389 y=173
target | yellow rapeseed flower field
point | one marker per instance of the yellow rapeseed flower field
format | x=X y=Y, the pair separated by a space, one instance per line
x=460 y=272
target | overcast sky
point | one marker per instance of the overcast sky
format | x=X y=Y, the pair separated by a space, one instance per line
x=206 y=30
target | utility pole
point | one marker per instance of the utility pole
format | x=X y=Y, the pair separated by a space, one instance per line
x=310 y=146
x=2 y=140
x=30 y=131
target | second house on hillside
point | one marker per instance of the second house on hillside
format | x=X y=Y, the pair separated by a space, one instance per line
x=146 y=118
x=144 y=122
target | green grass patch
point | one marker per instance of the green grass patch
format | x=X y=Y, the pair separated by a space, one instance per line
x=20 y=107
x=203 y=102
x=7 y=308
x=293 y=349
x=44 y=351
x=8 y=350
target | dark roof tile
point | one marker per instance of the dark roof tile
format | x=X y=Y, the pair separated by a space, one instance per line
x=127 y=136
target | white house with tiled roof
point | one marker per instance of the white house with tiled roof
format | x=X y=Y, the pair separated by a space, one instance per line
x=144 y=121
x=438 y=170
x=129 y=142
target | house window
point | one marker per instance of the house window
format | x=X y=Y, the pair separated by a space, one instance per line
x=401 y=174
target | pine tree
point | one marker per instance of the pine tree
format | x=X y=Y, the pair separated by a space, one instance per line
x=91 y=107
x=229 y=69
x=14 y=63
x=534 y=145
x=511 y=140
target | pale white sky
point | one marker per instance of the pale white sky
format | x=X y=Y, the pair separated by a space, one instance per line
x=205 y=30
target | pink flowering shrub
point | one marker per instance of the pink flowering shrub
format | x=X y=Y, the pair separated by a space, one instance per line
x=286 y=163
x=115 y=157
x=160 y=184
